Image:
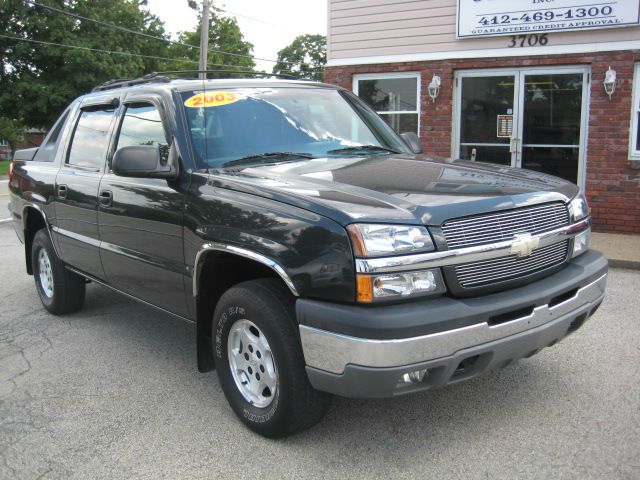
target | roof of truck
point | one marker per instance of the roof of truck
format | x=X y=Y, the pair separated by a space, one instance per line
x=181 y=83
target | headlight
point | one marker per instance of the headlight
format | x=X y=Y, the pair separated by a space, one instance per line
x=578 y=208
x=372 y=240
x=395 y=286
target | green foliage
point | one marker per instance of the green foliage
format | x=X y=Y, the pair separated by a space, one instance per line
x=38 y=81
x=11 y=131
x=305 y=57
x=225 y=36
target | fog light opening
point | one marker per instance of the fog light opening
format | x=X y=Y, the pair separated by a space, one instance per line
x=414 y=377
x=577 y=323
x=581 y=242
x=466 y=367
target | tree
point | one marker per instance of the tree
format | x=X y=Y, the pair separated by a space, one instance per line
x=38 y=81
x=224 y=36
x=305 y=57
x=12 y=132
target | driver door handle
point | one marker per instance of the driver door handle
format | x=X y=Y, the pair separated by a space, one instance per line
x=105 y=198
x=62 y=192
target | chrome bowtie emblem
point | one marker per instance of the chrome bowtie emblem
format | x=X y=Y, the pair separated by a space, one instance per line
x=523 y=244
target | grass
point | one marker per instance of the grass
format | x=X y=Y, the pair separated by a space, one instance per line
x=4 y=167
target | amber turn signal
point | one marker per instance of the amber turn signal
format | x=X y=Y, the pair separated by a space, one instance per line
x=356 y=240
x=365 y=288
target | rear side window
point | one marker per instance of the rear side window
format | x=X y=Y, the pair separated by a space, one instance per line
x=47 y=151
x=91 y=138
x=142 y=125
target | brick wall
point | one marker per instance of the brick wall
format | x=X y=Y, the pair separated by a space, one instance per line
x=31 y=139
x=612 y=186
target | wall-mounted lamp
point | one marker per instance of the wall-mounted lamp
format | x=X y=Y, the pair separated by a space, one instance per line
x=434 y=87
x=610 y=82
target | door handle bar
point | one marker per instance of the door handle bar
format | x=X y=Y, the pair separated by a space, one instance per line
x=62 y=191
x=105 y=198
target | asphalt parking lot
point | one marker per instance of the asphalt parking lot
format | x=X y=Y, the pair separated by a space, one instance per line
x=113 y=392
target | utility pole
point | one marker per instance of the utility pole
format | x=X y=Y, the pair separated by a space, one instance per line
x=204 y=38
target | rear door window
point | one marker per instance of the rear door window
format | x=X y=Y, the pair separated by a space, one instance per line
x=91 y=138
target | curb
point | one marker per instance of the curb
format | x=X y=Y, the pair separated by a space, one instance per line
x=619 y=263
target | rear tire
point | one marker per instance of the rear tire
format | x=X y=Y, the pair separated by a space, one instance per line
x=260 y=362
x=60 y=290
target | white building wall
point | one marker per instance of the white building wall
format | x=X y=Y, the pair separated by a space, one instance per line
x=378 y=31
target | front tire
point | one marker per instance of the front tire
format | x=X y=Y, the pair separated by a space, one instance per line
x=260 y=363
x=60 y=290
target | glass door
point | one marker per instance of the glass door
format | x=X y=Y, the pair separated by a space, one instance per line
x=552 y=123
x=530 y=118
x=487 y=105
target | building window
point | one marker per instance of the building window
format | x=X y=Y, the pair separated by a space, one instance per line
x=634 y=141
x=395 y=96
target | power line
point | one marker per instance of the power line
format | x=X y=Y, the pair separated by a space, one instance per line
x=111 y=52
x=96 y=49
x=142 y=34
x=218 y=9
x=106 y=24
x=129 y=54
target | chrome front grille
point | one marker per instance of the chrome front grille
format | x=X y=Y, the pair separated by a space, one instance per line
x=506 y=268
x=501 y=226
x=496 y=227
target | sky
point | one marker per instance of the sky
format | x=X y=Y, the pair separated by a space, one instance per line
x=270 y=25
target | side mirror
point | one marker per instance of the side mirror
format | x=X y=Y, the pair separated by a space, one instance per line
x=413 y=141
x=144 y=161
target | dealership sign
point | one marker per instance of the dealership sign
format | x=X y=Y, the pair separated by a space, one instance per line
x=478 y=18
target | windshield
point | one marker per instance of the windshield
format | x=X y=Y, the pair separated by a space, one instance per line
x=269 y=125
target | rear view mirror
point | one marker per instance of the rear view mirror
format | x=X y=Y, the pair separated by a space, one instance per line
x=144 y=161
x=413 y=141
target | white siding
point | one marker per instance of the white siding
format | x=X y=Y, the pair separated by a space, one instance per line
x=372 y=28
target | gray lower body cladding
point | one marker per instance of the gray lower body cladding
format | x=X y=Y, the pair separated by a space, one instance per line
x=369 y=382
x=363 y=367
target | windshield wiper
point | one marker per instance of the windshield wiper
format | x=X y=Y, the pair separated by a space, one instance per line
x=364 y=149
x=267 y=157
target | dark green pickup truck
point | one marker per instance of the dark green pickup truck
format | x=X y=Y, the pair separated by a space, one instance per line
x=316 y=251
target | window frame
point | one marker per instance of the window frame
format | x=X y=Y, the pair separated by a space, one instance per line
x=391 y=75
x=634 y=140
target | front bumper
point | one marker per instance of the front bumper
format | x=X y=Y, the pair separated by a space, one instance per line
x=483 y=333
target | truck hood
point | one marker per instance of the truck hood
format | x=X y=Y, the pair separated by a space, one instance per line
x=399 y=188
